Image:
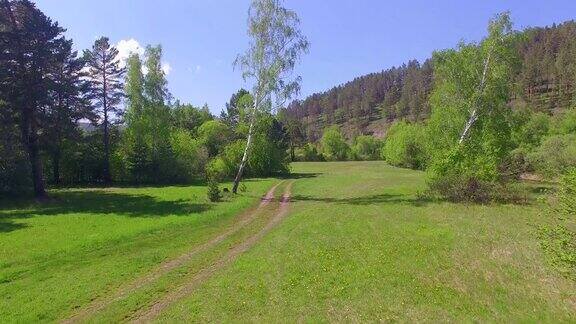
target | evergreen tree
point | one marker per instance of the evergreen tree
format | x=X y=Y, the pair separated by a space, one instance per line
x=68 y=104
x=106 y=78
x=231 y=115
x=31 y=44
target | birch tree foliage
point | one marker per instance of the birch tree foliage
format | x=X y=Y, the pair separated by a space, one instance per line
x=469 y=127
x=276 y=45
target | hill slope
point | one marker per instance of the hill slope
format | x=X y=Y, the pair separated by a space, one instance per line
x=366 y=105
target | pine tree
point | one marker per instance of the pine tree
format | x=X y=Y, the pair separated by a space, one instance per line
x=68 y=104
x=105 y=77
x=30 y=44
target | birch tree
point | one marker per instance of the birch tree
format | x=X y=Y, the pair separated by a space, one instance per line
x=469 y=130
x=276 y=45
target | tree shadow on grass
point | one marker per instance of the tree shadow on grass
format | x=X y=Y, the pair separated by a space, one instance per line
x=100 y=202
x=295 y=175
x=367 y=200
x=7 y=225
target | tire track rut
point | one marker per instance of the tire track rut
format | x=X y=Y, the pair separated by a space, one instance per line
x=101 y=303
x=151 y=312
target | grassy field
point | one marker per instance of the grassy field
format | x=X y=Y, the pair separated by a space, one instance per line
x=356 y=245
x=359 y=246
x=58 y=256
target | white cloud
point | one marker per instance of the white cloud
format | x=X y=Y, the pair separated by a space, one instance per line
x=166 y=68
x=127 y=47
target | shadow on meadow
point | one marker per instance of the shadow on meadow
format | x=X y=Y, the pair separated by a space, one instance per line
x=367 y=200
x=99 y=202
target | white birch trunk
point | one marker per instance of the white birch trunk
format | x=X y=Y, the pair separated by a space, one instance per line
x=246 y=149
x=474 y=113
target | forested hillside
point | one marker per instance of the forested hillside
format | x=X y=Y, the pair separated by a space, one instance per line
x=366 y=105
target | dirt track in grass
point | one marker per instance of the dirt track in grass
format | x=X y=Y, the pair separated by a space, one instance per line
x=124 y=291
x=151 y=312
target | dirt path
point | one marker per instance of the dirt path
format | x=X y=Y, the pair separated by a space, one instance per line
x=101 y=303
x=148 y=314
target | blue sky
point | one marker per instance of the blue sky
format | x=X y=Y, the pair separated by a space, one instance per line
x=201 y=38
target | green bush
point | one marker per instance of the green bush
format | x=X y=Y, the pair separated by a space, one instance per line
x=567 y=199
x=191 y=156
x=462 y=188
x=334 y=147
x=405 y=146
x=565 y=123
x=530 y=134
x=214 y=193
x=559 y=240
x=308 y=152
x=366 y=148
x=555 y=156
x=14 y=169
x=214 y=135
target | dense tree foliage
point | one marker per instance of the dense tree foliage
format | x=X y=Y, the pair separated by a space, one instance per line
x=405 y=146
x=38 y=85
x=334 y=146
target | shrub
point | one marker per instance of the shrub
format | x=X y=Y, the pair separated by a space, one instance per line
x=214 y=135
x=461 y=188
x=565 y=123
x=308 y=152
x=217 y=169
x=14 y=169
x=334 y=147
x=532 y=132
x=405 y=146
x=559 y=240
x=366 y=148
x=567 y=199
x=190 y=155
x=214 y=193
x=555 y=156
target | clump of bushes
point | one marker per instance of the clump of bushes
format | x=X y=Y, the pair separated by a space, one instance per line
x=308 y=152
x=366 y=148
x=559 y=241
x=214 y=193
x=555 y=156
x=334 y=146
x=405 y=146
x=461 y=188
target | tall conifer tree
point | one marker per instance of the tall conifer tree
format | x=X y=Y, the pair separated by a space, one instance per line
x=106 y=91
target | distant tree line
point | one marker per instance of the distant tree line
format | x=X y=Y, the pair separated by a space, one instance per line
x=69 y=118
x=480 y=132
x=543 y=82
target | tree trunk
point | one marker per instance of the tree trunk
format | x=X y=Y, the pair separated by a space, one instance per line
x=106 y=172
x=28 y=124
x=56 y=166
x=30 y=139
x=474 y=113
x=246 y=149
